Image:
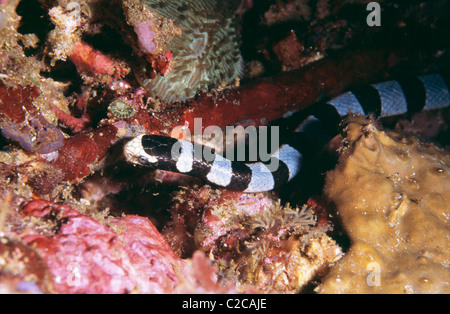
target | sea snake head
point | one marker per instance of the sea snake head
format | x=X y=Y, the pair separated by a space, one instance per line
x=162 y=152
x=135 y=153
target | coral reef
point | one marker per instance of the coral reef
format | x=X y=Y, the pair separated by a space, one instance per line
x=115 y=255
x=23 y=268
x=254 y=240
x=289 y=91
x=22 y=123
x=77 y=78
x=121 y=109
x=399 y=235
x=205 y=54
x=86 y=58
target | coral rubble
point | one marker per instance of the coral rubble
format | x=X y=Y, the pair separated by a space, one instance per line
x=392 y=193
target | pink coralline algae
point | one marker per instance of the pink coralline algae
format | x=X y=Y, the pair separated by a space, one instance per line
x=122 y=255
x=34 y=135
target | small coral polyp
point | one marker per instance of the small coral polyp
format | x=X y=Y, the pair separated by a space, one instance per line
x=121 y=109
x=206 y=53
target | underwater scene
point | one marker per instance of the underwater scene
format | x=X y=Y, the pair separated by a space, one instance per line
x=224 y=147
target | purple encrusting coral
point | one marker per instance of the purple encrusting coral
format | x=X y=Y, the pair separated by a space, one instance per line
x=34 y=134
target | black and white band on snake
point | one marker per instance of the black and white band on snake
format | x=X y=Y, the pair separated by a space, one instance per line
x=389 y=98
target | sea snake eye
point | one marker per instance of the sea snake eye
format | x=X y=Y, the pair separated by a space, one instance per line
x=143 y=161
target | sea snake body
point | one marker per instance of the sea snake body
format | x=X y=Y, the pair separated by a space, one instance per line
x=389 y=98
